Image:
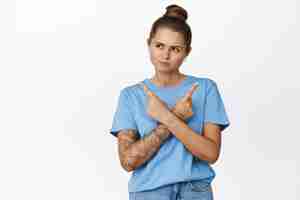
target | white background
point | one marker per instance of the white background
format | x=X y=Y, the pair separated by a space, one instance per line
x=63 y=64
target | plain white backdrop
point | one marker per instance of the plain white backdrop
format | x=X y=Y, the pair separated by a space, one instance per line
x=63 y=64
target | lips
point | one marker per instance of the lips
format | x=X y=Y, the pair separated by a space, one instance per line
x=164 y=63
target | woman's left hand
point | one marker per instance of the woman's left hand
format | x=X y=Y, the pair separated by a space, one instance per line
x=183 y=107
x=156 y=108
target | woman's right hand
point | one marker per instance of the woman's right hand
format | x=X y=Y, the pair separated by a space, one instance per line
x=183 y=107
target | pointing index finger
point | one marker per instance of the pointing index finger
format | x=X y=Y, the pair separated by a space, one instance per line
x=192 y=90
x=146 y=90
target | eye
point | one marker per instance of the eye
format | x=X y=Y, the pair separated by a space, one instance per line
x=159 y=46
x=176 y=49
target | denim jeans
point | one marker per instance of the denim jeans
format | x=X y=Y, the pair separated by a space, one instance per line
x=197 y=190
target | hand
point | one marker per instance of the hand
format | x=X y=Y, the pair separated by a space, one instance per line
x=156 y=108
x=183 y=108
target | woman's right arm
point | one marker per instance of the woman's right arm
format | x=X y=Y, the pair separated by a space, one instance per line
x=134 y=152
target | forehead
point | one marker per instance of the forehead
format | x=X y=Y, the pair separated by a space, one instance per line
x=169 y=37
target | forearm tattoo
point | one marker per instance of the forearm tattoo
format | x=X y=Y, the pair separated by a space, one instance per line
x=134 y=152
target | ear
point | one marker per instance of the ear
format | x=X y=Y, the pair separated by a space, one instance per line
x=148 y=45
x=189 y=51
x=148 y=42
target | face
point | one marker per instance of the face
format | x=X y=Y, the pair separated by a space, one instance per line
x=167 y=50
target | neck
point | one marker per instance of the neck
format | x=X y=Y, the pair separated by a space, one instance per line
x=167 y=79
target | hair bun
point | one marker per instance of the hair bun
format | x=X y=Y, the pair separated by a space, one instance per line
x=177 y=12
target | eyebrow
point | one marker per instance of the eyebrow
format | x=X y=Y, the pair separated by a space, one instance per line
x=181 y=46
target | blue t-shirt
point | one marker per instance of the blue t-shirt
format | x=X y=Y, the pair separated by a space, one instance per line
x=173 y=162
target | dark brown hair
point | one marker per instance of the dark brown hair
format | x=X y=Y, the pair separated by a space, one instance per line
x=174 y=19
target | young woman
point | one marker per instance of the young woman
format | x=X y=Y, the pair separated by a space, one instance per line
x=169 y=126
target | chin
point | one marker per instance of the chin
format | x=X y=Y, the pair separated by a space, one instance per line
x=164 y=69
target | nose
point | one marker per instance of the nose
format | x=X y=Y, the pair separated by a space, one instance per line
x=166 y=54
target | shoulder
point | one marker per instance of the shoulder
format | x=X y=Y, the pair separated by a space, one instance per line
x=132 y=89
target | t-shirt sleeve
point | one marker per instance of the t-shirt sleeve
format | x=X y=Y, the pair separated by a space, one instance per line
x=123 y=116
x=214 y=107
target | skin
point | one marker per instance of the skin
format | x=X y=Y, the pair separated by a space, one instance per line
x=205 y=147
x=167 y=52
x=133 y=152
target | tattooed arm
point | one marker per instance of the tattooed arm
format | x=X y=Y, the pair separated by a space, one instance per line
x=134 y=152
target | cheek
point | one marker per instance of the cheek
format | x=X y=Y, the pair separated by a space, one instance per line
x=154 y=54
x=153 y=57
x=178 y=59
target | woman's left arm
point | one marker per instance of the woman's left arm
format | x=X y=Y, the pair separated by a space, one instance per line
x=205 y=147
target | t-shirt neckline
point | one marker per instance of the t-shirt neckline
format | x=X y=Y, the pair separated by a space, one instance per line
x=182 y=82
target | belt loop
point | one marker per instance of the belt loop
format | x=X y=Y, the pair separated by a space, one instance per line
x=190 y=184
x=175 y=187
